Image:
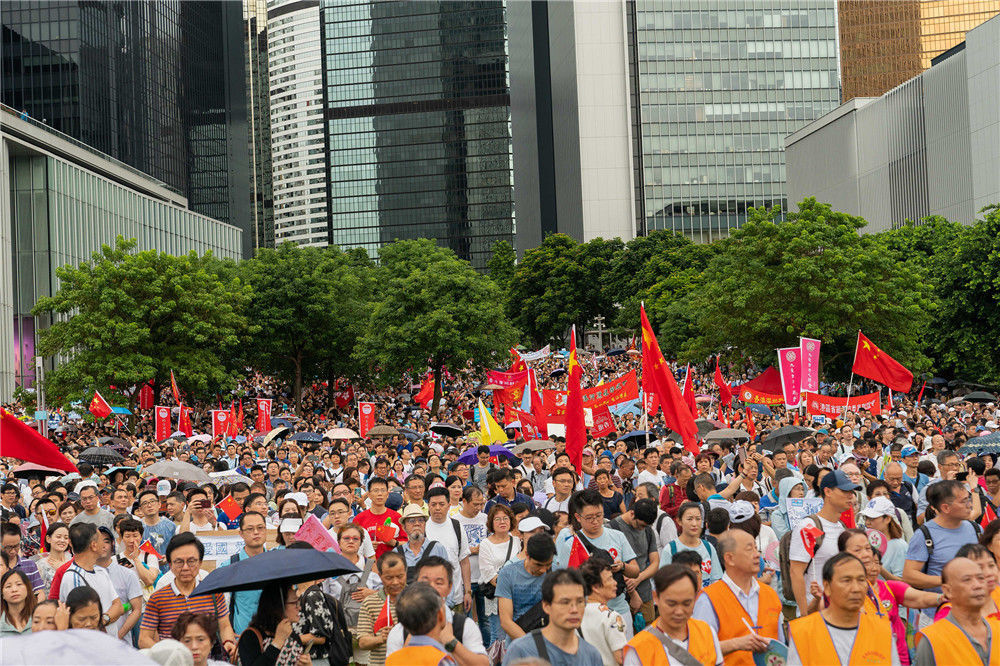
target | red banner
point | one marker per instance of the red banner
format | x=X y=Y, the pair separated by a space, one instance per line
x=146 y=396
x=604 y=422
x=529 y=425
x=162 y=423
x=220 y=423
x=833 y=407
x=184 y=421
x=366 y=417
x=174 y=389
x=790 y=368
x=263 y=414
x=232 y=432
x=618 y=390
x=757 y=397
x=506 y=379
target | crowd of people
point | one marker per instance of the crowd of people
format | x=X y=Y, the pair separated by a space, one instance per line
x=650 y=554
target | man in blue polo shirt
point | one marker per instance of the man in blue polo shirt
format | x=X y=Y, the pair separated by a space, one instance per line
x=243 y=604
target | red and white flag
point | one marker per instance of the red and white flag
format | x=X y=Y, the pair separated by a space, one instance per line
x=989 y=515
x=220 y=423
x=263 y=414
x=366 y=417
x=162 y=423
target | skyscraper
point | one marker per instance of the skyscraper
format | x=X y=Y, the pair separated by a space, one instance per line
x=716 y=86
x=259 y=117
x=156 y=84
x=391 y=120
x=886 y=42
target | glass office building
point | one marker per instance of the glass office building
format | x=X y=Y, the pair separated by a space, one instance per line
x=156 y=84
x=717 y=85
x=259 y=117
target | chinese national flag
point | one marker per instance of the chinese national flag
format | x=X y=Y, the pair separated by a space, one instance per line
x=518 y=363
x=576 y=426
x=231 y=430
x=184 y=421
x=689 y=393
x=989 y=515
x=99 y=407
x=873 y=363
x=675 y=412
x=174 y=389
x=577 y=553
x=751 y=426
x=384 y=618
x=725 y=391
x=147 y=547
x=426 y=393
x=230 y=507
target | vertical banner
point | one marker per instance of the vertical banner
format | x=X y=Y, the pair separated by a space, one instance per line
x=220 y=423
x=366 y=417
x=162 y=423
x=790 y=367
x=809 y=353
x=146 y=398
x=263 y=414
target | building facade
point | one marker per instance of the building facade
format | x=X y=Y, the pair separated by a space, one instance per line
x=259 y=119
x=718 y=84
x=886 y=42
x=61 y=200
x=930 y=146
x=156 y=84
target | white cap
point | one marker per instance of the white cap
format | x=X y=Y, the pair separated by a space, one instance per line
x=530 y=523
x=89 y=483
x=169 y=652
x=879 y=506
x=162 y=487
x=298 y=498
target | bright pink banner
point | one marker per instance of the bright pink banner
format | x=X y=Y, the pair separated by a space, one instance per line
x=809 y=352
x=506 y=379
x=317 y=536
x=790 y=368
x=833 y=407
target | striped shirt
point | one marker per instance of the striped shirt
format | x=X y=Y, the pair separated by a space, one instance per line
x=166 y=605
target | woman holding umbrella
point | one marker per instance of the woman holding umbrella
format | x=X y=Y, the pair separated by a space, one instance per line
x=268 y=639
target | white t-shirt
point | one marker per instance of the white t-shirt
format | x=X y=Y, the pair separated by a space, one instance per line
x=128 y=587
x=814 y=563
x=475 y=532
x=632 y=659
x=99 y=579
x=553 y=505
x=645 y=476
x=604 y=629
x=471 y=638
x=444 y=533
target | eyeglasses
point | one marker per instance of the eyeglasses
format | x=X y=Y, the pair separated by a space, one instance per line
x=192 y=563
x=593 y=517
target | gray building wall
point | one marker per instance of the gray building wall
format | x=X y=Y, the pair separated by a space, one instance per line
x=983 y=70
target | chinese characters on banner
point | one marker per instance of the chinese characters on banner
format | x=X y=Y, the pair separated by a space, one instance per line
x=790 y=367
x=833 y=406
x=162 y=423
x=366 y=417
x=809 y=353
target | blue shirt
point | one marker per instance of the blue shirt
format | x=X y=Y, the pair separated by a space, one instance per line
x=500 y=499
x=159 y=535
x=515 y=583
x=610 y=540
x=946 y=544
x=523 y=647
x=244 y=602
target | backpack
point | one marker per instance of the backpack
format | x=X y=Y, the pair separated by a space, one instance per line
x=411 y=572
x=340 y=648
x=603 y=554
x=351 y=607
x=929 y=540
x=784 y=546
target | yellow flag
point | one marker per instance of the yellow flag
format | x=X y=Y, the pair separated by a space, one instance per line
x=490 y=431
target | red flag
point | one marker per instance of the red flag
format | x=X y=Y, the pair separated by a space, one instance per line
x=18 y=440
x=518 y=364
x=989 y=515
x=576 y=427
x=230 y=507
x=343 y=396
x=426 y=393
x=239 y=417
x=146 y=397
x=809 y=535
x=888 y=403
x=848 y=519
x=577 y=553
x=263 y=414
x=174 y=389
x=725 y=391
x=99 y=407
x=231 y=427
x=650 y=402
x=873 y=363
x=220 y=423
x=148 y=548
x=721 y=416
x=366 y=417
x=689 y=393
x=184 y=421
x=162 y=415
x=751 y=426
x=921 y=394
x=384 y=618
x=676 y=414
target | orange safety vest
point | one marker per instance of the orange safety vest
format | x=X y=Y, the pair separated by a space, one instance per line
x=731 y=614
x=651 y=652
x=950 y=646
x=873 y=643
x=421 y=655
x=876 y=610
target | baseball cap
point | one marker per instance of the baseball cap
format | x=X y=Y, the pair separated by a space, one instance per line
x=588 y=451
x=908 y=450
x=879 y=506
x=162 y=487
x=530 y=523
x=740 y=510
x=837 y=479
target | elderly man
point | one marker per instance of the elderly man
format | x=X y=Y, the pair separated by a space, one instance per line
x=421 y=612
x=417 y=546
x=963 y=636
x=902 y=493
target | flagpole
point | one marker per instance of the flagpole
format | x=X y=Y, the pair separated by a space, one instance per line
x=645 y=409
x=846 y=404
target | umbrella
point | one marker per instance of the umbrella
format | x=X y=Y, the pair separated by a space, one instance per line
x=341 y=433
x=409 y=434
x=705 y=426
x=306 y=437
x=513 y=425
x=957 y=401
x=976 y=444
x=981 y=450
x=287 y=565
x=276 y=433
x=937 y=380
x=70 y=648
x=31 y=469
x=634 y=352
x=635 y=434
x=784 y=435
x=447 y=429
x=204 y=439
x=727 y=433
x=259 y=439
x=382 y=430
x=178 y=470
x=285 y=422
x=703 y=399
x=980 y=396
x=230 y=476
x=469 y=457
x=534 y=445
x=111 y=441
x=101 y=455
x=557 y=372
x=121 y=410
x=615 y=352
x=761 y=409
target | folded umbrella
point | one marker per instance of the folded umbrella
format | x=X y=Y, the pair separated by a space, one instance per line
x=287 y=565
x=177 y=470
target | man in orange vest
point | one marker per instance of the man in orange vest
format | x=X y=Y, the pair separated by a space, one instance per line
x=675 y=637
x=421 y=612
x=963 y=636
x=841 y=633
x=744 y=613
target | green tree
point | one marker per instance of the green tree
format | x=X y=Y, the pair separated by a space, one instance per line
x=311 y=305
x=502 y=264
x=558 y=284
x=810 y=275
x=128 y=317
x=966 y=336
x=434 y=310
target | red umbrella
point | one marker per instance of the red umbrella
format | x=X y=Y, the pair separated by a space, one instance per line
x=19 y=441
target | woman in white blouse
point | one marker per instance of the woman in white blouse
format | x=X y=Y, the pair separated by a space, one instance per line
x=495 y=551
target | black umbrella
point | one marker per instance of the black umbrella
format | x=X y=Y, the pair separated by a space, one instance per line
x=306 y=437
x=705 y=426
x=287 y=565
x=980 y=396
x=615 y=352
x=937 y=380
x=557 y=372
x=101 y=455
x=784 y=435
x=112 y=441
x=447 y=429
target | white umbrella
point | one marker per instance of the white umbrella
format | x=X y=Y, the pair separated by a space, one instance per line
x=341 y=433
x=71 y=647
x=205 y=439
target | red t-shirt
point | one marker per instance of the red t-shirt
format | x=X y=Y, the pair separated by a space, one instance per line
x=371 y=522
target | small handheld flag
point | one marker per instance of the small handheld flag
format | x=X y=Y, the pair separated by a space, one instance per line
x=230 y=507
x=384 y=619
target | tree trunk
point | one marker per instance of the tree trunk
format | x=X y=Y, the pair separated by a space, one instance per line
x=297 y=389
x=436 y=403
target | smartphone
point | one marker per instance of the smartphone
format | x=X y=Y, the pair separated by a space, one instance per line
x=961 y=476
